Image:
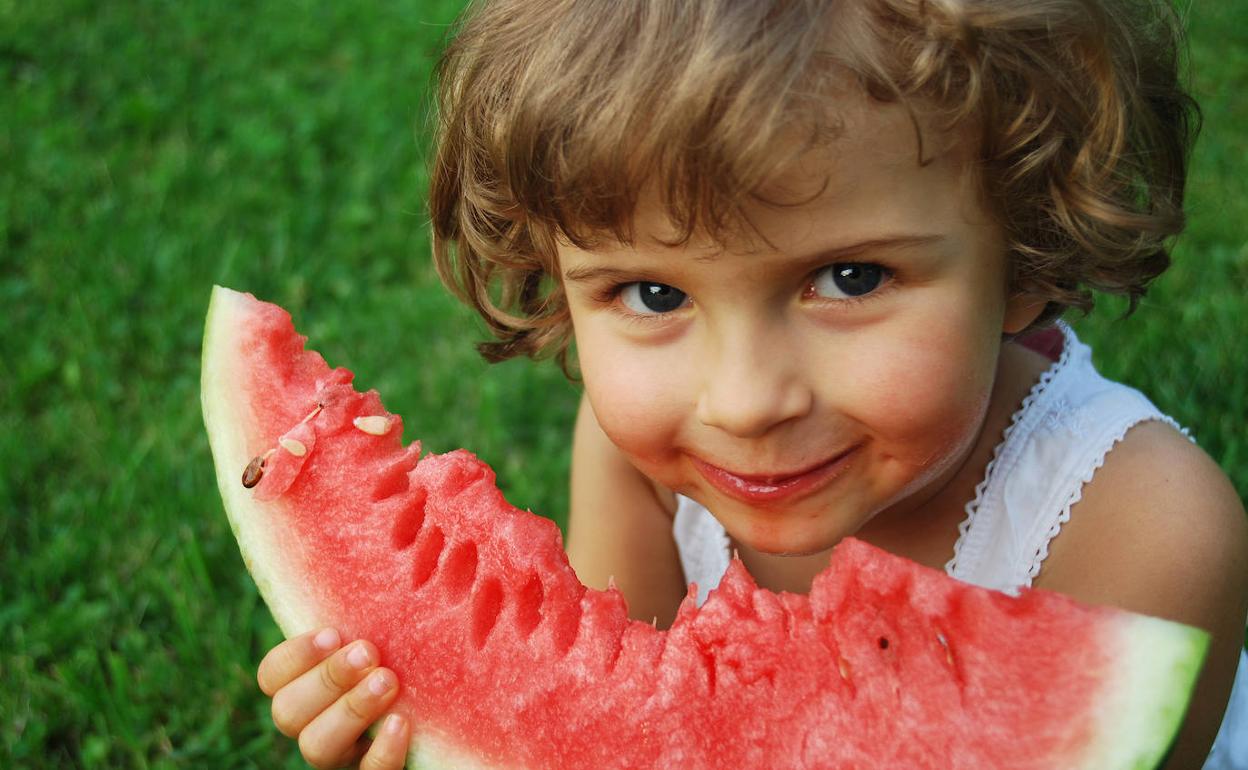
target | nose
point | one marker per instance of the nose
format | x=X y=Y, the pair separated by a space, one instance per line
x=751 y=383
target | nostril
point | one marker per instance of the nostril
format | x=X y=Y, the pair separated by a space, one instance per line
x=750 y=408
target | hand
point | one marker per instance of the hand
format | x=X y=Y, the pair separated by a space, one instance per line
x=327 y=697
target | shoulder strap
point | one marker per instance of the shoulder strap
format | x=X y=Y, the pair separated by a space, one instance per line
x=1056 y=441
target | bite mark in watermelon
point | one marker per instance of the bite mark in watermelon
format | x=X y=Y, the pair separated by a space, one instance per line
x=507 y=661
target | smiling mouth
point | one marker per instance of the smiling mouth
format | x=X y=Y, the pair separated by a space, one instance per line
x=766 y=488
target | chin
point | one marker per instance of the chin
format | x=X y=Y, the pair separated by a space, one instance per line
x=797 y=554
x=773 y=540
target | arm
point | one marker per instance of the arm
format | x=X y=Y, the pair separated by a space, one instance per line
x=620 y=525
x=1161 y=531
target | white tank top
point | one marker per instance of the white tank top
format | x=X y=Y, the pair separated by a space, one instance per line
x=1056 y=440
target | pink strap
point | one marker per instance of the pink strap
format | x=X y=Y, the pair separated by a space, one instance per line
x=1046 y=342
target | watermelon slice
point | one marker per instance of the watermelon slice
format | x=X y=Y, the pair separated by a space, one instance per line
x=507 y=661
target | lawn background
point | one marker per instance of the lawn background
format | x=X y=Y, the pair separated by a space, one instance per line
x=149 y=149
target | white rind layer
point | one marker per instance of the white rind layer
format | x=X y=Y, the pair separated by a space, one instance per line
x=226 y=414
x=431 y=752
x=1155 y=656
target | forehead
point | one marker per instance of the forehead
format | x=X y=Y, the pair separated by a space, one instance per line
x=874 y=167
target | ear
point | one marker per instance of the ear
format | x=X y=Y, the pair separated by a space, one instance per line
x=1021 y=309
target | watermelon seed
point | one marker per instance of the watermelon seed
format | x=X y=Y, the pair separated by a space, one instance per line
x=883 y=643
x=313 y=413
x=255 y=470
x=376 y=424
x=945 y=643
x=293 y=445
x=843 y=665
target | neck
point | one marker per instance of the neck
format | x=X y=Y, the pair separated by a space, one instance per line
x=782 y=573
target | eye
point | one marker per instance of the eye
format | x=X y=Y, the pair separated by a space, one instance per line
x=648 y=298
x=846 y=280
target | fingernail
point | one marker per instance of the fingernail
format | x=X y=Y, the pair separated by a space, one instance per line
x=394 y=724
x=379 y=683
x=358 y=656
x=327 y=639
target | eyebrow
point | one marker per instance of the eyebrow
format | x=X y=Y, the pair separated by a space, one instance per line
x=586 y=273
x=871 y=244
x=581 y=274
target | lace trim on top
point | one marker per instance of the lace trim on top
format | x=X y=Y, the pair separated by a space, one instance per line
x=1102 y=452
x=1044 y=408
x=1005 y=455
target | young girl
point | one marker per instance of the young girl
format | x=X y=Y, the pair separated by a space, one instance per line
x=812 y=255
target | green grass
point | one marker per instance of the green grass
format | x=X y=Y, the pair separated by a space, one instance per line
x=149 y=149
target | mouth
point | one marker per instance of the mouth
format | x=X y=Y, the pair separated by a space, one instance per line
x=769 y=488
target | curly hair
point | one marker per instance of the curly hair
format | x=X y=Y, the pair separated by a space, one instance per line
x=553 y=114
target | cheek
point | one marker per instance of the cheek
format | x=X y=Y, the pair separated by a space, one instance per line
x=927 y=398
x=638 y=401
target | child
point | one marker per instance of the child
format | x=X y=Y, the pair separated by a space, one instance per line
x=812 y=255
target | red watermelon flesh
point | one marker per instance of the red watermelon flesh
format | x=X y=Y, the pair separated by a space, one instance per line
x=507 y=661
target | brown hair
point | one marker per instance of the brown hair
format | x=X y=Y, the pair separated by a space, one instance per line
x=554 y=113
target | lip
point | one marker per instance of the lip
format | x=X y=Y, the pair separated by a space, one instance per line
x=770 y=488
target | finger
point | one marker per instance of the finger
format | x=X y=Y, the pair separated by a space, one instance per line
x=332 y=737
x=293 y=657
x=298 y=703
x=389 y=749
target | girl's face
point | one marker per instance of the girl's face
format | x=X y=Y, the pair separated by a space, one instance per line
x=798 y=385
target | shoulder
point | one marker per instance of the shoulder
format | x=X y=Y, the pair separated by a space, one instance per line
x=1157 y=522
x=1161 y=531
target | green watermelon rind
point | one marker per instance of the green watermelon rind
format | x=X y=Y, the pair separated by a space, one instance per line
x=430 y=752
x=1156 y=655
x=264 y=557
